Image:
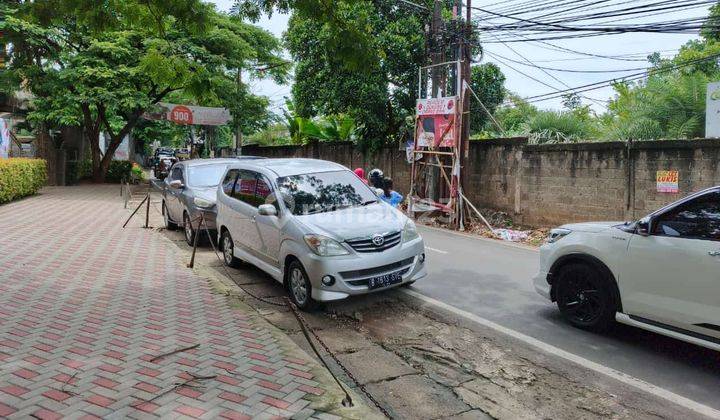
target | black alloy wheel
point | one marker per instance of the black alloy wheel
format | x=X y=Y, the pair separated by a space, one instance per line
x=584 y=297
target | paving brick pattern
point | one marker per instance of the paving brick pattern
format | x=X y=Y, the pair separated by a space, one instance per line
x=86 y=305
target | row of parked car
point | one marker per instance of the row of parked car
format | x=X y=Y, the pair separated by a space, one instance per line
x=312 y=225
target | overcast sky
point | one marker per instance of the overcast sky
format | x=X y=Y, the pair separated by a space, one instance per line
x=523 y=85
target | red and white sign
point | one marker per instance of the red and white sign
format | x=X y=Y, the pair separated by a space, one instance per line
x=436 y=122
x=186 y=114
x=181 y=115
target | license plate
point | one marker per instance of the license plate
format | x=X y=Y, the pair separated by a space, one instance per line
x=384 y=281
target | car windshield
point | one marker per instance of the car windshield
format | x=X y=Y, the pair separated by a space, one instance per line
x=205 y=175
x=324 y=191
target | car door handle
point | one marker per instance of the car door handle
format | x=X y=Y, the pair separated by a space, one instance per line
x=714 y=253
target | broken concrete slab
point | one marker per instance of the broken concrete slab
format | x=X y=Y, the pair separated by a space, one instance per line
x=375 y=364
x=418 y=397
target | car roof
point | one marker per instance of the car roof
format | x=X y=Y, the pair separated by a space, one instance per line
x=214 y=161
x=290 y=166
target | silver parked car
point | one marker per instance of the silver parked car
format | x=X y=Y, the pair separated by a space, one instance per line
x=317 y=228
x=189 y=188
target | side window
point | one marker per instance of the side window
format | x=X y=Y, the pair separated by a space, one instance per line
x=229 y=181
x=177 y=174
x=696 y=219
x=245 y=187
x=264 y=193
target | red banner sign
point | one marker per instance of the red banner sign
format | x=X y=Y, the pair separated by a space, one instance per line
x=436 y=122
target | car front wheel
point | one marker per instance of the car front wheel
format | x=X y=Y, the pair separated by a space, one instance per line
x=299 y=287
x=584 y=297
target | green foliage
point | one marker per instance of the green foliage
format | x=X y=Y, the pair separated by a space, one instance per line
x=487 y=81
x=118 y=170
x=137 y=172
x=102 y=67
x=512 y=116
x=557 y=127
x=345 y=28
x=380 y=93
x=20 y=177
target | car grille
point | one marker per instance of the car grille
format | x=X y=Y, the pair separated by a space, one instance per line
x=369 y=272
x=367 y=245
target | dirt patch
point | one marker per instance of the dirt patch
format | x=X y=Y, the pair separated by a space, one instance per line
x=529 y=235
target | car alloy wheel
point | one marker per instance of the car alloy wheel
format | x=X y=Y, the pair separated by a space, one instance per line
x=580 y=300
x=227 y=247
x=298 y=286
x=584 y=297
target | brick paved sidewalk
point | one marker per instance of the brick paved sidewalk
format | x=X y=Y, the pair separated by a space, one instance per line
x=86 y=305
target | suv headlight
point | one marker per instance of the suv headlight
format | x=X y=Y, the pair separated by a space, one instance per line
x=409 y=232
x=201 y=202
x=324 y=246
x=557 y=234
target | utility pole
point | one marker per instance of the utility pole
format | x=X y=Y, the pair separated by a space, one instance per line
x=238 y=132
x=466 y=56
x=437 y=55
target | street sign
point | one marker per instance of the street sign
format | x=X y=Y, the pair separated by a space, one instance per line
x=187 y=115
x=712 y=110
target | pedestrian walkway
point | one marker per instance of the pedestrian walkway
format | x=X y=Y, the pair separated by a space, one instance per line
x=86 y=307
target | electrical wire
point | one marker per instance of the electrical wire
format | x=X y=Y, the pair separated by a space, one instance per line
x=609 y=82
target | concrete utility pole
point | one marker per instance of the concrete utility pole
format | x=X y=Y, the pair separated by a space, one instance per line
x=238 y=132
x=466 y=56
x=437 y=55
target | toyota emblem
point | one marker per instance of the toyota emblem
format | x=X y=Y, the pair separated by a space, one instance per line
x=378 y=240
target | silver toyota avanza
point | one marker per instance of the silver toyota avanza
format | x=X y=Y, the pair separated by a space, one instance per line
x=317 y=228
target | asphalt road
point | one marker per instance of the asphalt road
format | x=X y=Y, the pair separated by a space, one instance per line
x=493 y=280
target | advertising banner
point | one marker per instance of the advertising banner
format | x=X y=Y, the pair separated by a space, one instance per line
x=712 y=110
x=187 y=115
x=436 y=122
x=4 y=138
x=667 y=181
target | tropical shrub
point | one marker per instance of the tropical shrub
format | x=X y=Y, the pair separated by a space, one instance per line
x=557 y=127
x=20 y=177
x=137 y=172
x=118 y=170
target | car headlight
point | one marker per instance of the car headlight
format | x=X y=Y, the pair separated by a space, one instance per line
x=324 y=246
x=203 y=203
x=557 y=234
x=409 y=232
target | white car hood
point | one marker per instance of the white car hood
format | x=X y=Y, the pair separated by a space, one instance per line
x=355 y=222
x=591 y=227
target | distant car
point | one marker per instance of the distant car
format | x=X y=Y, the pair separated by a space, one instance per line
x=189 y=190
x=317 y=228
x=163 y=160
x=661 y=273
x=182 y=154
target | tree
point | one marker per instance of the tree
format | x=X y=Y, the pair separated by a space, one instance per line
x=487 y=81
x=103 y=67
x=381 y=93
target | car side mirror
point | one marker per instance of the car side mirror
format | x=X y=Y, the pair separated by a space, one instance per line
x=176 y=184
x=267 y=210
x=643 y=227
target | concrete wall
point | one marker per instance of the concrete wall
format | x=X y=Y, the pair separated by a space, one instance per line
x=545 y=185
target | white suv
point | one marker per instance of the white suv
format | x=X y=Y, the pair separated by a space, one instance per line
x=661 y=273
x=317 y=228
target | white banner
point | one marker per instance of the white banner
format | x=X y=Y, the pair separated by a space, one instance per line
x=712 y=110
x=186 y=114
x=4 y=138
